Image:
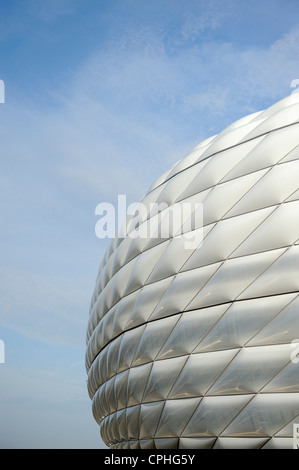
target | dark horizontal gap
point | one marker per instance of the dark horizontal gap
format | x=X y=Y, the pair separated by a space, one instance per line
x=186 y=311
x=201 y=437
x=200 y=397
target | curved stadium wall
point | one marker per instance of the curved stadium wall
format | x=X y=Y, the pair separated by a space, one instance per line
x=192 y=348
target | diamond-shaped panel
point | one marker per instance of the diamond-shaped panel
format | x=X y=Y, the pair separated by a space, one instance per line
x=196 y=348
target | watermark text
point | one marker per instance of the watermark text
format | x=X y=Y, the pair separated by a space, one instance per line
x=2 y=91
x=295 y=352
x=156 y=220
x=295 y=436
x=2 y=352
x=295 y=84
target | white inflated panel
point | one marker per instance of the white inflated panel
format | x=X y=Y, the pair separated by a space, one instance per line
x=195 y=347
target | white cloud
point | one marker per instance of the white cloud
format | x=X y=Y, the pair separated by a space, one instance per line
x=137 y=75
x=126 y=117
x=135 y=107
x=209 y=15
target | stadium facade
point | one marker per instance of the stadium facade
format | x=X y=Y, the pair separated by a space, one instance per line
x=196 y=348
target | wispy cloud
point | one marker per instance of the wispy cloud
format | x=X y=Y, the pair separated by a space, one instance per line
x=126 y=116
x=208 y=16
x=100 y=102
x=199 y=82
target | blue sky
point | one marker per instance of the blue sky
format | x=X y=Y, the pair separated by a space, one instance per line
x=101 y=97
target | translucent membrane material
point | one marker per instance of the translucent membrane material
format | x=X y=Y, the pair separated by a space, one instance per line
x=197 y=347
